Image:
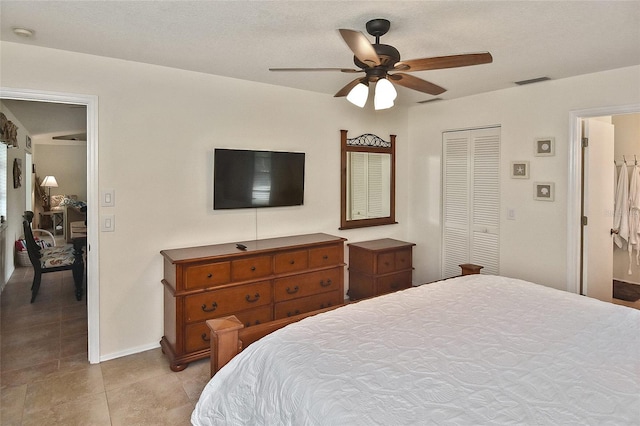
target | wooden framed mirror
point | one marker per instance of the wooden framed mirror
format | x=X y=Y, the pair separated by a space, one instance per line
x=368 y=181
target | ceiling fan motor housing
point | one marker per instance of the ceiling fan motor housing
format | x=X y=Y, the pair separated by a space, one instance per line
x=388 y=55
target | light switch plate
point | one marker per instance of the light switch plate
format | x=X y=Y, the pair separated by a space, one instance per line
x=108 y=198
x=108 y=223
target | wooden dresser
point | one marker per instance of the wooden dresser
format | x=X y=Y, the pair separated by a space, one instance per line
x=271 y=279
x=378 y=267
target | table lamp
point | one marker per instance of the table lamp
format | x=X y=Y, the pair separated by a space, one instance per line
x=49 y=182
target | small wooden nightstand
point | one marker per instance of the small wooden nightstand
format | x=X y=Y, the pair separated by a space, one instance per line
x=378 y=267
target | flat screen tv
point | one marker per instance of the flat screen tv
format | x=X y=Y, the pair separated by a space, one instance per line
x=250 y=179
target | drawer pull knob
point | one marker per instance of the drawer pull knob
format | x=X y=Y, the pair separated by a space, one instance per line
x=291 y=262
x=213 y=307
x=294 y=291
x=205 y=337
x=395 y=285
x=253 y=268
x=325 y=284
x=326 y=306
x=325 y=257
x=255 y=298
x=209 y=275
x=296 y=312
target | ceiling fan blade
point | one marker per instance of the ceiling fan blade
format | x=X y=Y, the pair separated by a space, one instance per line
x=347 y=70
x=440 y=62
x=416 y=83
x=360 y=46
x=346 y=89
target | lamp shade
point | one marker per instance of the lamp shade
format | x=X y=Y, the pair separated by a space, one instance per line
x=385 y=94
x=358 y=95
x=49 y=182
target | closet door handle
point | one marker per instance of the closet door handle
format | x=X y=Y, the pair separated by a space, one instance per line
x=614 y=231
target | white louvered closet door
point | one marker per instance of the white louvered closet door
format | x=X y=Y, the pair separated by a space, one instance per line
x=471 y=200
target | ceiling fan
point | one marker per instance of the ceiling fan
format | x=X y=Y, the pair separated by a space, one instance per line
x=378 y=60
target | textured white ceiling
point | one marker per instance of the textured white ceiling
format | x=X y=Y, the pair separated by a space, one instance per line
x=242 y=39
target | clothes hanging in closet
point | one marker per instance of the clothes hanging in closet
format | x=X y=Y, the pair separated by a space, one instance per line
x=634 y=216
x=621 y=207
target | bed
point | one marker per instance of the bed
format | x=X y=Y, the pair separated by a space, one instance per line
x=471 y=350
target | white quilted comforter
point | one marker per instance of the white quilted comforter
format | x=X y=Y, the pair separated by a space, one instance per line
x=474 y=350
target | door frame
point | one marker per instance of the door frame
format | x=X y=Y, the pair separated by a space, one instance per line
x=93 y=277
x=574 y=193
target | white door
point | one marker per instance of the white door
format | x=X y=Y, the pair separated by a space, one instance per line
x=597 y=280
x=471 y=200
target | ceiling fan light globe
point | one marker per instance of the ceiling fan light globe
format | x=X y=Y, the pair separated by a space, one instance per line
x=385 y=94
x=358 y=95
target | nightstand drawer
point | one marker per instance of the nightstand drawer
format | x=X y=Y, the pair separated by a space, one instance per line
x=403 y=259
x=391 y=283
x=386 y=263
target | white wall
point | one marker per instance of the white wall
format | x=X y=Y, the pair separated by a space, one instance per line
x=15 y=196
x=157 y=130
x=533 y=246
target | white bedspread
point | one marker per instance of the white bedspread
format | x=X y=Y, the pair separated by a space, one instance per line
x=474 y=350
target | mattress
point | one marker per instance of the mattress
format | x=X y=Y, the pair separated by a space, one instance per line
x=467 y=351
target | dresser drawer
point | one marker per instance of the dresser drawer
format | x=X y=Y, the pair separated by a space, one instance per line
x=250 y=268
x=218 y=303
x=395 y=282
x=307 y=304
x=291 y=261
x=307 y=284
x=197 y=335
x=326 y=256
x=208 y=275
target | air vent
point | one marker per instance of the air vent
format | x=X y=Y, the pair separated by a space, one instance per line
x=533 y=80
x=429 y=100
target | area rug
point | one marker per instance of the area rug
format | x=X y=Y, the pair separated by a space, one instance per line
x=626 y=291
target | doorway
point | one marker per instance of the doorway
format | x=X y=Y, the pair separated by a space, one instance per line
x=575 y=188
x=93 y=287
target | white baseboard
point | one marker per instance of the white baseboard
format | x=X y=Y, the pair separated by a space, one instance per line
x=130 y=351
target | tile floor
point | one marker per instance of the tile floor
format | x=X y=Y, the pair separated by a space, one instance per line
x=45 y=378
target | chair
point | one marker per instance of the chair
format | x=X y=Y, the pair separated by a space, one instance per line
x=53 y=259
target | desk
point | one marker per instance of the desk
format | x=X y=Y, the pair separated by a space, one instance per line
x=57 y=219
